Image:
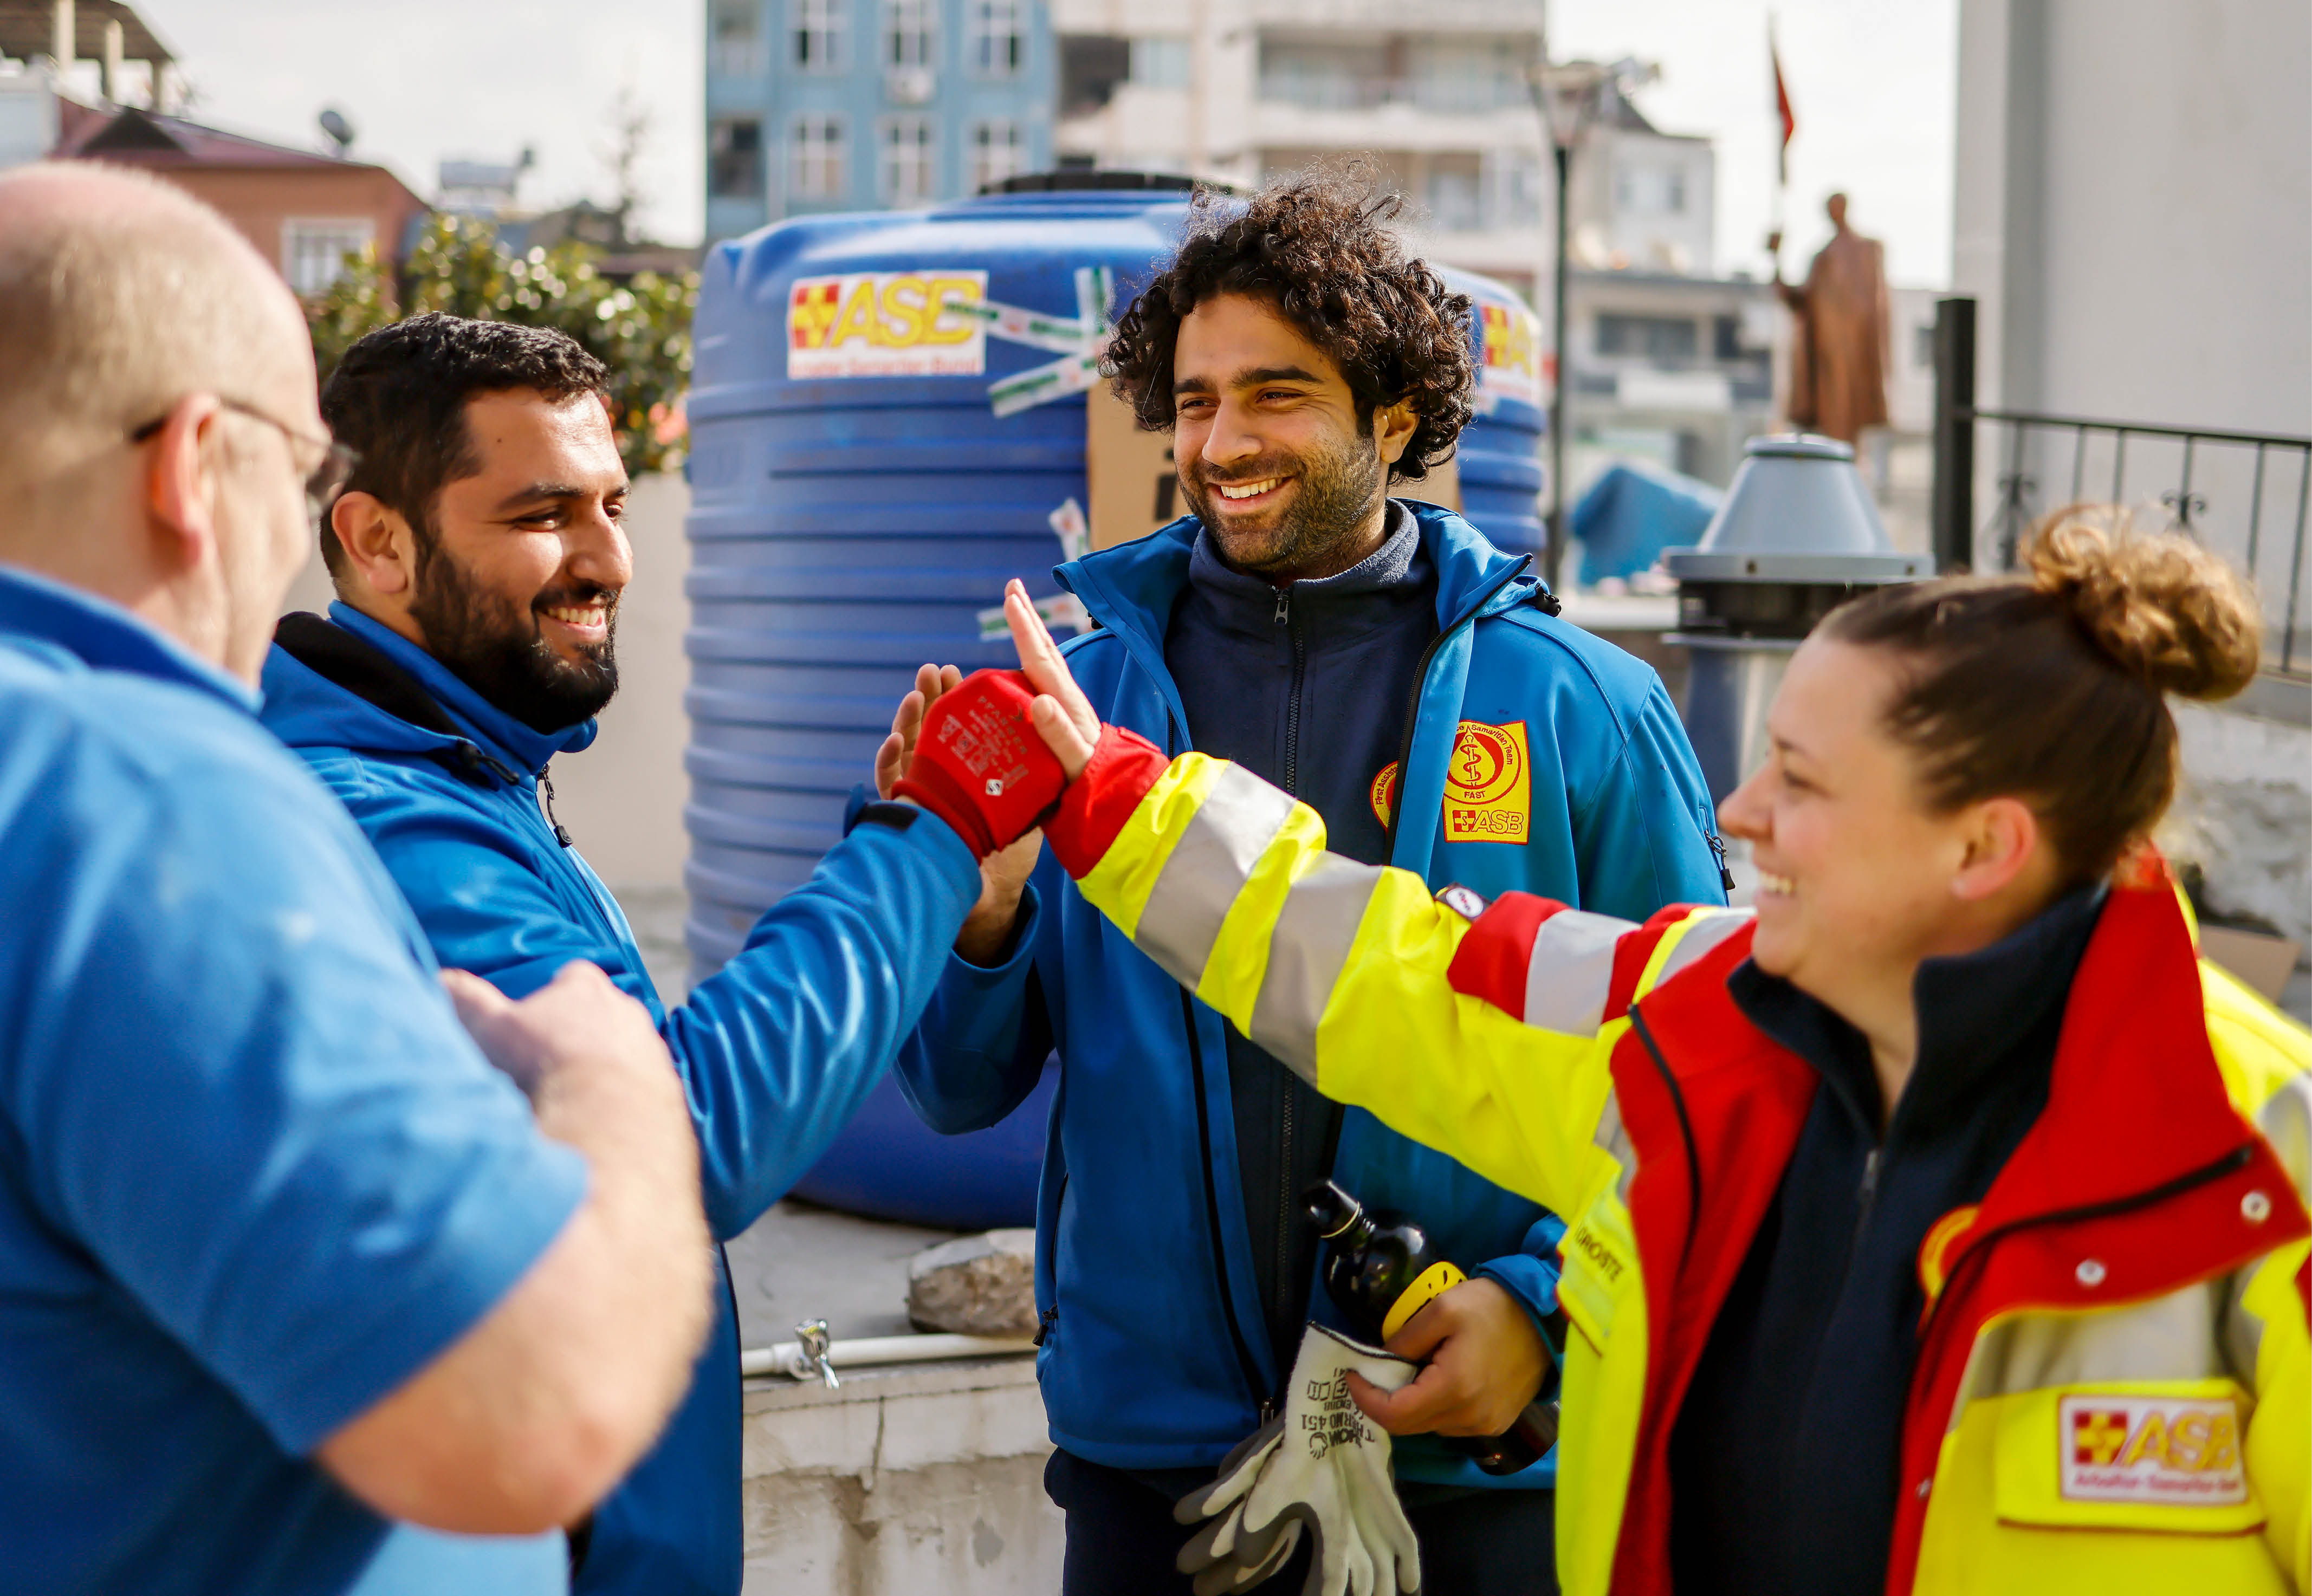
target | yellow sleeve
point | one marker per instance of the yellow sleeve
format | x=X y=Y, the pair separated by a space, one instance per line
x=1340 y=970
x=2264 y=1057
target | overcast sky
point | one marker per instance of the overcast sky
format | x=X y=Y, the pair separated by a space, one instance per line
x=1871 y=81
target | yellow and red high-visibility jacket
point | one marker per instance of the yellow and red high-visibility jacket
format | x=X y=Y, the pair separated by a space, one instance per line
x=2111 y=1391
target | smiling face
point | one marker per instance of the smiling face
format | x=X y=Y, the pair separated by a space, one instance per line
x=1270 y=451
x=519 y=591
x=1859 y=879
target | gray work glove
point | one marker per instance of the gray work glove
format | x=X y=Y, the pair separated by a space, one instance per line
x=1321 y=1466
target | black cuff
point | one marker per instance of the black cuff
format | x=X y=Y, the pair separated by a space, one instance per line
x=864 y=809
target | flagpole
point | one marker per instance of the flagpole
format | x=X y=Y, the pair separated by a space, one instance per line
x=1782 y=144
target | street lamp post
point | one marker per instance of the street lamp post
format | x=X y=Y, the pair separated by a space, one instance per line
x=1567 y=94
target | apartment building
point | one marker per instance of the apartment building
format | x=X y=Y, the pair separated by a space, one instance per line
x=1245 y=90
x=815 y=106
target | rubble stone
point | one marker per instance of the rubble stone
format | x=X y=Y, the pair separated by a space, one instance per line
x=980 y=1285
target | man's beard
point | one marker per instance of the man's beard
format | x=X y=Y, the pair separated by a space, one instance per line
x=494 y=645
x=1335 y=495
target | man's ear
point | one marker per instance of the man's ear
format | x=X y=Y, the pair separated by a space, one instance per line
x=377 y=541
x=180 y=498
x=2003 y=839
x=1393 y=430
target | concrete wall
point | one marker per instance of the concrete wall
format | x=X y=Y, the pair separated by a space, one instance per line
x=2133 y=207
x=906 y=1482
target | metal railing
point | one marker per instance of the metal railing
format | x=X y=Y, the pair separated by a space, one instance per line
x=2248 y=495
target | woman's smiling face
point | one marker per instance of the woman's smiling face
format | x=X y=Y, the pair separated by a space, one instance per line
x=1859 y=878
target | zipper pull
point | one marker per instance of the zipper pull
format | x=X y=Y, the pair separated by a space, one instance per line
x=1717 y=847
x=1284 y=605
x=1044 y=1323
x=546 y=780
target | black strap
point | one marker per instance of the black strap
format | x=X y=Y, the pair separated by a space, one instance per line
x=370 y=674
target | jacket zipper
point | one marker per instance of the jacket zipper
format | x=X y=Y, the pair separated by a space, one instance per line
x=1287 y=1130
x=1866 y=1198
x=1412 y=709
x=546 y=780
x=1247 y=1365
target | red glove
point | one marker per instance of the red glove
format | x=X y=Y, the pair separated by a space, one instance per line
x=980 y=765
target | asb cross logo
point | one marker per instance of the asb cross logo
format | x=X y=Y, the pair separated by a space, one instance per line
x=885 y=324
x=2150 y=1448
x=1511 y=337
x=1489 y=784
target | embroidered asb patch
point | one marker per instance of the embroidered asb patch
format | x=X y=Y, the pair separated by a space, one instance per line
x=1383 y=793
x=2116 y=1448
x=1489 y=784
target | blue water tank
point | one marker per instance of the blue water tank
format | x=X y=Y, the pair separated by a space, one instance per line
x=857 y=502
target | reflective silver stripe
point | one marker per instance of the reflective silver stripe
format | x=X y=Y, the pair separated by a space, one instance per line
x=1570 y=971
x=1314 y=931
x=2168 y=1338
x=2286 y=1120
x=1613 y=1138
x=1207 y=870
x=1701 y=934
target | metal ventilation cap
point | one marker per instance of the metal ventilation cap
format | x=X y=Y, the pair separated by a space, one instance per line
x=1797 y=511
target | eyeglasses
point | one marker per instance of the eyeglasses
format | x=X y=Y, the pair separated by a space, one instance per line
x=323 y=483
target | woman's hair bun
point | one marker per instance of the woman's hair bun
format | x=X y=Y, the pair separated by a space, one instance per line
x=2164 y=609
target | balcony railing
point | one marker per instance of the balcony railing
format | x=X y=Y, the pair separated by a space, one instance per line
x=2244 y=495
x=1344 y=91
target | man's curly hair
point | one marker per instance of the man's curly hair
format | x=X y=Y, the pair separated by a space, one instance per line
x=1320 y=249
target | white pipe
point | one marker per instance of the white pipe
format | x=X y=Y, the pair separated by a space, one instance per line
x=786 y=1357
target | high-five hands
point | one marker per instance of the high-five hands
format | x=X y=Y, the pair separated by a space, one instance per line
x=1061 y=712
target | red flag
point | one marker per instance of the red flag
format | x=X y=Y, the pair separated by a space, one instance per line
x=1781 y=108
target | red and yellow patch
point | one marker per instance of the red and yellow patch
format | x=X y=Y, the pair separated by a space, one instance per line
x=1489 y=784
x=1383 y=793
x=2128 y=1447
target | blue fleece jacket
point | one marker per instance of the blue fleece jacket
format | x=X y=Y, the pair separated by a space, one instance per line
x=1569 y=776
x=775 y=1050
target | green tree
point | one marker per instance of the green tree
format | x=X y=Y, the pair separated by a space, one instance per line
x=640 y=330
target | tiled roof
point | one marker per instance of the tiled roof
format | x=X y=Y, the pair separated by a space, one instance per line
x=143 y=137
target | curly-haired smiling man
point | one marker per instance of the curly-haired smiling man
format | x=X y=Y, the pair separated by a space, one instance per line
x=1379 y=659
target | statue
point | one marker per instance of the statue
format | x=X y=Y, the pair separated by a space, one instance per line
x=1838 y=345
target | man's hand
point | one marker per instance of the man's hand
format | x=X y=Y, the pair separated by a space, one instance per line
x=1485 y=1361
x=1002 y=873
x=578 y=1019
x=1061 y=713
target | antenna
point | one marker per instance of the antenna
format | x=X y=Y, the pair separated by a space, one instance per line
x=340 y=130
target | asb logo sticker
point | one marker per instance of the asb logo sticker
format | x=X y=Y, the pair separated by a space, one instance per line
x=1489 y=784
x=2150 y=1448
x=1512 y=367
x=885 y=324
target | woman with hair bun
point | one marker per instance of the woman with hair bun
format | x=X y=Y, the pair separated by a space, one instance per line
x=1938 y=1226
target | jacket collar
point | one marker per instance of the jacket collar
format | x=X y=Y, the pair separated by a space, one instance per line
x=1131 y=589
x=498 y=734
x=103 y=636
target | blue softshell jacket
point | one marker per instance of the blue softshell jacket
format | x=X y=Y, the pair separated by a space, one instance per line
x=775 y=1050
x=1153 y=1353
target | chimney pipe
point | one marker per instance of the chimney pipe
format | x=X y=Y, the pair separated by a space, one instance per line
x=116 y=43
x=61 y=43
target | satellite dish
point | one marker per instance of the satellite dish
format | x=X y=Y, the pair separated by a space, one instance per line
x=340 y=130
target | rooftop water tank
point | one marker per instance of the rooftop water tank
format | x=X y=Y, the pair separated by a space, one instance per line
x=887 y=418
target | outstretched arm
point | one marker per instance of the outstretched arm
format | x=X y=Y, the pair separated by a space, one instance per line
x=1350 y=973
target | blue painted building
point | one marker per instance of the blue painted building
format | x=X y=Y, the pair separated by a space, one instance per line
x=857 y=105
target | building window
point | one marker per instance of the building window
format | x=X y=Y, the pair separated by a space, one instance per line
x=734 y=158
x=997 y=152
x=1091 y=66
x=735 y=39
x=910 y=36
x=996 y=40
x=815 y=157
x=1453 y=198
x=819 y=29
x=1662 y=339
x=904 y=174
x=313 y=250
x=1160 y=63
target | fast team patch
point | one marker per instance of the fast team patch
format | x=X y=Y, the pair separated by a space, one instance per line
x=2178 y=1450
x=1383 y=793
x=1489 y=784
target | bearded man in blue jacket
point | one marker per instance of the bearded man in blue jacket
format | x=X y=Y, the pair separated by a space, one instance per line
x=1381 y=660
x=478 y=559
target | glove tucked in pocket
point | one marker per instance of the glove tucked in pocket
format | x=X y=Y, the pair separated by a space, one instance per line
x=1320 y=1466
